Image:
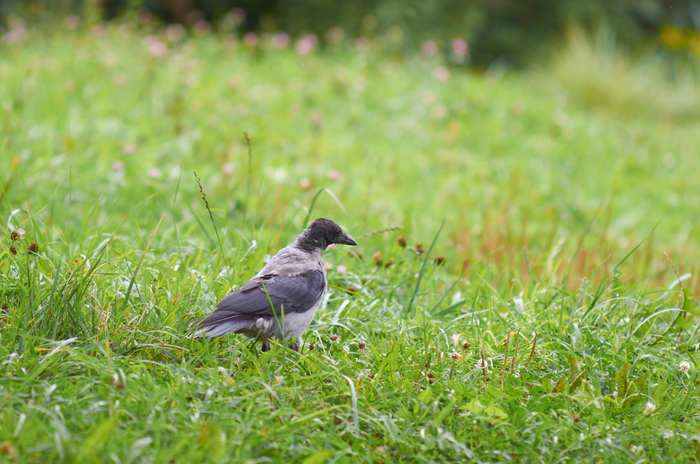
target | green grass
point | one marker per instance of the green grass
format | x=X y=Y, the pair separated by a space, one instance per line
x=571 y=245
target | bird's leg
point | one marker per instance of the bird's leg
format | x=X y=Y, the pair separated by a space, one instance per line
x=296 y=345
x=265 y=345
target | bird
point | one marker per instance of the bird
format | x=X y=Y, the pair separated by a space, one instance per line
x=281 y=300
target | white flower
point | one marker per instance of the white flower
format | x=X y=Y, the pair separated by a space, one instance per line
x=635 y=449
x=684 y=366
x=519 y=304
x=481 y=364
x=649 y=408
x=455 y=339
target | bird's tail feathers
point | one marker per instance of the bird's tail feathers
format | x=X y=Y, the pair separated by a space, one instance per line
x=217 y=326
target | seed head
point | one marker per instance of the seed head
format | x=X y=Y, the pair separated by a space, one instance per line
x=33 y=248
x=684 y=366
x=361 y=345
x=377 y=258
x=401 y=240
x=419 y=248
x=13 y=250
x=649 y=408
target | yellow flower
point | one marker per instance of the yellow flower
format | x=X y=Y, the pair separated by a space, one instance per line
x=671 y=37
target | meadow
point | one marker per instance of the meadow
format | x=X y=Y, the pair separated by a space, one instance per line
x=525 y=286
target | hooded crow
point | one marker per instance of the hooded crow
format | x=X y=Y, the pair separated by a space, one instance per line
x=281 y=300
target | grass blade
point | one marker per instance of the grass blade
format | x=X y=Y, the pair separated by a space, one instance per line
x=409 y=306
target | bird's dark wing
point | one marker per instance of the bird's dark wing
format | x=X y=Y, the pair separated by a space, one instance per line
x=296 y=293
x=257 y=297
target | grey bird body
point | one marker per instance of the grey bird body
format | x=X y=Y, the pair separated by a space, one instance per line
x=281 y=300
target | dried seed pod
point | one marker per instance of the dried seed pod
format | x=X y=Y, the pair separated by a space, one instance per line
x=17 y=234
x=419 y=248
x=33 y=248
x=401 y=240
x=389 y=262
x=377 y=258
x=440 y=260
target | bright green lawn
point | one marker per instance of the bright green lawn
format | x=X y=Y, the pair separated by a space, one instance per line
x=545 y=181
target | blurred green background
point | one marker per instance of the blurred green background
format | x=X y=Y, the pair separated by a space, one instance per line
x=504 y=31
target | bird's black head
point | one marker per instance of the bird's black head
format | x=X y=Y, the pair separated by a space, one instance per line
x=321 y=233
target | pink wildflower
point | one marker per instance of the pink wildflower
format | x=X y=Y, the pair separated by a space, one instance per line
x=440 y=111
x=280 y=40
x=430 y=47
x=17 y=31
x=442 y=74
x=72 y=22
x=306 y=44
x=362 y=43
x=17 y=234
x=459 y=47
x=155 y=47
x=174 y=32
x=250 y=39
x=202 y=27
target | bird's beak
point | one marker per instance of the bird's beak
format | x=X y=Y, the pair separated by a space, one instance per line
x=345 y=239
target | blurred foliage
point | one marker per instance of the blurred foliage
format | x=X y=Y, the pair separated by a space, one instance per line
x=498 y=31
